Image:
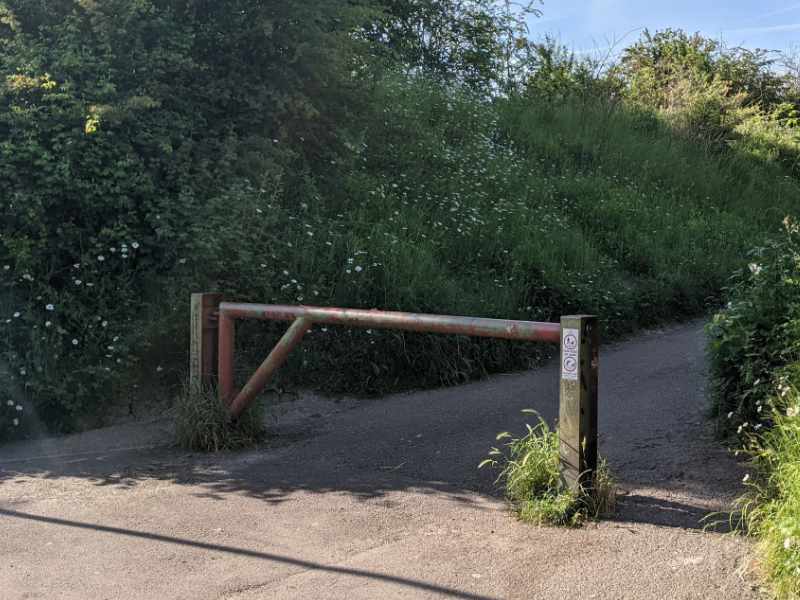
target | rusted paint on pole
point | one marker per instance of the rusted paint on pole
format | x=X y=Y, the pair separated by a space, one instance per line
x=227 y=333
x=471 y=326
x=203 y=340
x=264 y=373
x=305 y=316
x=577 y=425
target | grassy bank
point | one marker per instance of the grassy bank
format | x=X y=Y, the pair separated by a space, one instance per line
x=445 y=203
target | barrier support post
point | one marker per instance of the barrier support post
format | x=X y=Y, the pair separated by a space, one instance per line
x=203 y=340
x=578 y=401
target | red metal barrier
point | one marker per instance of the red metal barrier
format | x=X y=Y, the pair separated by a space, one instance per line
x=577 y=335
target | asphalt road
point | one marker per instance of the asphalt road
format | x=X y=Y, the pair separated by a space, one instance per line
x=382 y=499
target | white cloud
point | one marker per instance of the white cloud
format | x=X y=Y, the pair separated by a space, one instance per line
x=766 y=29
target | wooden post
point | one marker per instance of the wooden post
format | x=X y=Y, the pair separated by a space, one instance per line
x=203 y=340
x=578 y=406
x=227 y=338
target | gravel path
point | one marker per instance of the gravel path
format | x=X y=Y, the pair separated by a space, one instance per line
x=382 y=499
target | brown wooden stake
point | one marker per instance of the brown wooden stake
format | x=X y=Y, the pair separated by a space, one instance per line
x=578 y=406
x=203 y=340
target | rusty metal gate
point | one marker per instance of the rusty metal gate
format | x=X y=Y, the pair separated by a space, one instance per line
x=213 y=340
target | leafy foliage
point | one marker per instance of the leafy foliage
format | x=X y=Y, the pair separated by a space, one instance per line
x=416 y=156
x=121 y=122
x=762 y=323
x=755 y=352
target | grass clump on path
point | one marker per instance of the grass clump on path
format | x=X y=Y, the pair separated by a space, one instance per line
x=529 y=471
x=202 y=423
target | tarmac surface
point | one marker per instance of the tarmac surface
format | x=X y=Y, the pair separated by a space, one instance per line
x=382 y=499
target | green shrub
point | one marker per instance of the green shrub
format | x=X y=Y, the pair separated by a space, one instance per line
x=122 y=123
x=755 y=359
x=530 y=474
x=758 y=333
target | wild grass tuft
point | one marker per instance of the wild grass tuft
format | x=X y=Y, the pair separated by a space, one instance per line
x=529 y=471
x=202 y=423
x=770 y=510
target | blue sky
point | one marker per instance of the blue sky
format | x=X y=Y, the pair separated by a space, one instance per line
x=588 y=25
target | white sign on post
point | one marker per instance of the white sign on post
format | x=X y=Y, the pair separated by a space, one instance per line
x=569 y=354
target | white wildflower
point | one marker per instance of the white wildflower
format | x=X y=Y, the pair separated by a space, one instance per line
x=359 y=268
x=10 y=403
x=746 y=478
x=74 y=342
x=19 y=408
x=135 y=245
x=101 y=258
x=16 y=315
x=16 y=422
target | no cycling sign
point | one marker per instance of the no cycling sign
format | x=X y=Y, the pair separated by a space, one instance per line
x=569 y=354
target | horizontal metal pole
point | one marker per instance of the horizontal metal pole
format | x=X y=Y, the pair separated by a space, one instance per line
x=471 y=326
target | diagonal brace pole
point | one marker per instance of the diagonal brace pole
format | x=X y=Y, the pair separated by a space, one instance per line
x=276 y=358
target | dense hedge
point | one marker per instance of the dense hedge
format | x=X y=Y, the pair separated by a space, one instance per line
x=755 y=352
x=122 y=124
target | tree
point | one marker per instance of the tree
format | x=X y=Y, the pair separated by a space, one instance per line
x=475 y=42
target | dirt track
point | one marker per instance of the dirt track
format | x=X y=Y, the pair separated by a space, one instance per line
x=382 y=499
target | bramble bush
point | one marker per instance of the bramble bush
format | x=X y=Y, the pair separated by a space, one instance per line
x=755 y=358
x=121 y=123
x=762 y=323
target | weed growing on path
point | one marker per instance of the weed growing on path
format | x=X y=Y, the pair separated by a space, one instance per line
x=202 y=423
x=529 y=470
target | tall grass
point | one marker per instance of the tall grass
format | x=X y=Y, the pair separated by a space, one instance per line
x=771 y=508
x=516 y=209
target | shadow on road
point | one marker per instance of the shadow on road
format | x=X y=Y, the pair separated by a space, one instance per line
x=656 y=441
x=667 y=513
x=410 y=583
